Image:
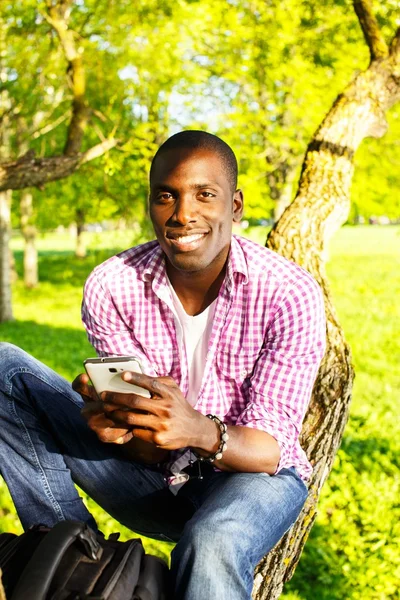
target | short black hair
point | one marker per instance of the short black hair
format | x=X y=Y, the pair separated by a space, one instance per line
x=194 y=139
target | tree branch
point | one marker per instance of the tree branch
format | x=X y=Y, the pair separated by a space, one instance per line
x=395 y=47
x=98 y=150
x=58 y=17
x=369 y=25
x=28 y=171
x=50 y=126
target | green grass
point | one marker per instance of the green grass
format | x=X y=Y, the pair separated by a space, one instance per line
x=353 y=550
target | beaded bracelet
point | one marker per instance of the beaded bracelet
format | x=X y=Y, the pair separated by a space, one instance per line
x=224 y=437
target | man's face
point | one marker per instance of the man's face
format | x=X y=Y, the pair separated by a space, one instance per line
x=192 y=207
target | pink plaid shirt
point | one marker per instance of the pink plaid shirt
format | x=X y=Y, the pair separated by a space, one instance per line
x=266 y=344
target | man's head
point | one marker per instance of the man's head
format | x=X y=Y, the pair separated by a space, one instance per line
x=193 y=200
x=201 y=140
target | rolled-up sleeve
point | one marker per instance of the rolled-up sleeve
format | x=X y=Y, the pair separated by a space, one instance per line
x=284 y=374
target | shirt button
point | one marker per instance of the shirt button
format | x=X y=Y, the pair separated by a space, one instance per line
x=243 y=373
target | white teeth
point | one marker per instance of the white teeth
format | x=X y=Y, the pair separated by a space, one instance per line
x=187 y=239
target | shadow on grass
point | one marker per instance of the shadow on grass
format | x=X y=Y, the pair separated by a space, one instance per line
x=371 y=454
x=62 y=349
x=63 y=266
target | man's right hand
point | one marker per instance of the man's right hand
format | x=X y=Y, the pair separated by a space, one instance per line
x=93 y=412
x=108 y=431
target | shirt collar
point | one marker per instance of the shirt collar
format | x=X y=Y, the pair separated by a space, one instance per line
x=155 y=268
x=237 y=262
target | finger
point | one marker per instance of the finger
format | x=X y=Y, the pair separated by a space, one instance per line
x=97 y=419
x=80 y=381
x=132 y=401
x=110 y=435
x=92 y=408
x=82 y=387
x=155 y=385
x=168 y=381
x=124 y=438
x=134 y=419
x=147 y=435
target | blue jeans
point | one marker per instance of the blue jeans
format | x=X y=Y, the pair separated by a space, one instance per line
x=223 y=524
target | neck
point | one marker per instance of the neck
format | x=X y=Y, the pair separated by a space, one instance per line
x=196 y=290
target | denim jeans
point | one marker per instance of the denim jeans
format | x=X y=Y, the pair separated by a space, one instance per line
x=223 y=524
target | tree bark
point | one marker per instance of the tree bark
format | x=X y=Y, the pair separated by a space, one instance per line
x=320 y=207
x=58 y=17
x=280 y=182
x=29 y=171
x=80 y=250
x=28 y=230
x=6 y=313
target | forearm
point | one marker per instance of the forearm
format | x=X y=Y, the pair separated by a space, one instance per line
x=248 y=450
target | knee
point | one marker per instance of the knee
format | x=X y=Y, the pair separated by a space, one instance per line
x=12 y=359
x=11 y=355
x=216 y=537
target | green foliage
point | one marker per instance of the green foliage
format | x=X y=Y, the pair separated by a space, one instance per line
x=271 y=71
x=353 y=550
x=377 y=174
x=262 y=75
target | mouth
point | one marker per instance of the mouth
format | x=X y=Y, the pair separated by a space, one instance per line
x=186 y=242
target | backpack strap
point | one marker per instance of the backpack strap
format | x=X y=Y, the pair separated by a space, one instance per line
x=38 y=573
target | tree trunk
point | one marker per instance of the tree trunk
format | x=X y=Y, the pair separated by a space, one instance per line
x=321 y=206
x=29 y=234
x=80 y=249
x=281 y=191
x=277 y=181
x=6 y=313
x=13 y=270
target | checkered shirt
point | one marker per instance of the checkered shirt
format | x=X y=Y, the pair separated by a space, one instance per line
x=266 y=343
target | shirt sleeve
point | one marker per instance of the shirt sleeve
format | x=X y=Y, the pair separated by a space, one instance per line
x=284 y=374
x=106 y=328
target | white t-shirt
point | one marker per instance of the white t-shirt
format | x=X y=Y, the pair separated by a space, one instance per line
x=193 y=334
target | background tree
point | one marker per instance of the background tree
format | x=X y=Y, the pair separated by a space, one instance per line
x=27 y=171
x=132 y=78
x=320 y=207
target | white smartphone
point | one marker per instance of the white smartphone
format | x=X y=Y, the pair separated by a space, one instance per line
x=105 y=374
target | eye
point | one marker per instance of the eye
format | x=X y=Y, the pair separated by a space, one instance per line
x=207 y=195
x=164 y=196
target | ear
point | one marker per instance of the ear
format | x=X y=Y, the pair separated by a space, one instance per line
x=237 y=206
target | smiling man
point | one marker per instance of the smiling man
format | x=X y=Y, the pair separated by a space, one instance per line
x=230 y=337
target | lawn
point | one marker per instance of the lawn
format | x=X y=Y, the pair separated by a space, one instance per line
x=353 y=550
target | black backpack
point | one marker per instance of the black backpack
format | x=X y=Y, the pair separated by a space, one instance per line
x=71 y=562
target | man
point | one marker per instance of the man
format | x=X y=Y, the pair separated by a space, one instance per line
x=230 y=336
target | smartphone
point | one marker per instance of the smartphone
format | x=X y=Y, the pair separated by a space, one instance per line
x=105 y=374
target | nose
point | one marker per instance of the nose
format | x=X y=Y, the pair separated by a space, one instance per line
x=184 y=210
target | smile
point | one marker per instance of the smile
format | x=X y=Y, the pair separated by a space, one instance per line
x=187 y=242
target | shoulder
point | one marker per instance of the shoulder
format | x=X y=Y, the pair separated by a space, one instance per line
x=265 y=265
x=126 y=266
